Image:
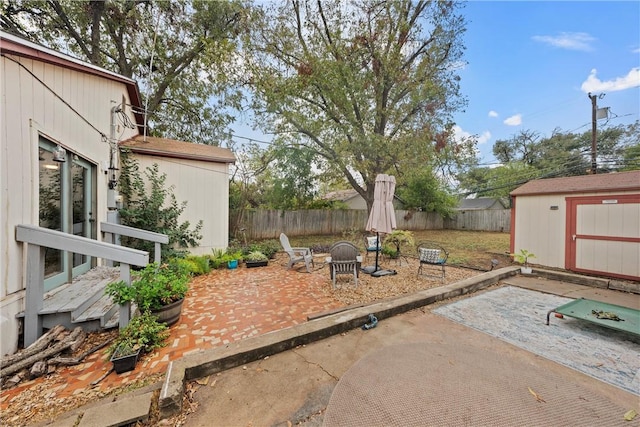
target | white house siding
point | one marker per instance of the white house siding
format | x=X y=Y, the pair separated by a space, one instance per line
x=28 y=109
x=540 y=229
x=205 y=187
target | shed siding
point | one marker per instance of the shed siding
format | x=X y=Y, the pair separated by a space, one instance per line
x=205 y=188
x=619 y=258
x=540 y=230
x=29 y=109
x=620 y=220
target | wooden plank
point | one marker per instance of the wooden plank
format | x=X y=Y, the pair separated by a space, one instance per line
x=136 y=233
x=67 y=242
x=102 y=309
x=75 y=296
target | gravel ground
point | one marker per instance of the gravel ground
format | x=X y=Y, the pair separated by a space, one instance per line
x=406 y=281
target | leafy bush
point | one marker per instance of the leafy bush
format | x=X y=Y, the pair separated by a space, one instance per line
x=195 y=265
x=320 y=249
x=154 y=287
x=219 y=258
x=256 y=256
x=267 y=247
x=144 y=332
x=149 y=205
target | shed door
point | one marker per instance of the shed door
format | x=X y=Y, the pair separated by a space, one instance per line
x=603 y=235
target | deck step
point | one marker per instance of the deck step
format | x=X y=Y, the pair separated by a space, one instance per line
x=102 y=309
x=83 y=302
x=77 y=296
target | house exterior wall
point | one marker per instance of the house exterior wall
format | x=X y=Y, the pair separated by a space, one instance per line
x=205 y=188
x=541 y=229
x=36 y=105
x=356 y=202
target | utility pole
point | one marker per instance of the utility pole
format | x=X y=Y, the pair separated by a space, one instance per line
x=594 y=109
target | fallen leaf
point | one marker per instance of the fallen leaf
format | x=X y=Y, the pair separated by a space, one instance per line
x=630 y=415
x=536 y=395
x=203 y=381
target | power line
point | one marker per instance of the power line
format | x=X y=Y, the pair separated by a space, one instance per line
x=102 y=134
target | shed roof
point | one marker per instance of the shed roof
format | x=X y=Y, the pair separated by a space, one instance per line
x=618 y=181
x=163 y=147
x=341 y=195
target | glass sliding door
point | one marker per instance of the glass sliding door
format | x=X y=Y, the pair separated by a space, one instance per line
x=66 y=201
x=82 y=212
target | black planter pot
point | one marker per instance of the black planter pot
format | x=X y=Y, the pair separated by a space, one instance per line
x=169 y=314
x=251 y=264
x=124 y=363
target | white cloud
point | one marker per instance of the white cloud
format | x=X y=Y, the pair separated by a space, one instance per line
x=460 y=135
x=571 y=41
x=594 y=84
x=636 y=50
x=493 y=114
x=514 y=120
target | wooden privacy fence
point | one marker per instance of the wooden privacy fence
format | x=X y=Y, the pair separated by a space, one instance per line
x=268 y=224
x=481 y=220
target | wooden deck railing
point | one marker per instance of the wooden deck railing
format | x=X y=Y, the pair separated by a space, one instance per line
x=39 y=238
x=115 y=230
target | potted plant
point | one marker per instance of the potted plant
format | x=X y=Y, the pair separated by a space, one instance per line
x=233 y=257
x=522 y=257
x=256 y=259
x=394 y=240
x=143 y=334
x=158 y=289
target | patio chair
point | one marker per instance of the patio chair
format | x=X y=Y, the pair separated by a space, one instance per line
x=296 y=254
x=372 y=244
x=345 y=259
x=432 y=255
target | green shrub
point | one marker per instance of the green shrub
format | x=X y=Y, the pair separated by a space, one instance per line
x=153 y=287
x=196 y=264
x=143 y=332
x=219 y=258
x=267 y=247
x=256 y=256
x=149 y=204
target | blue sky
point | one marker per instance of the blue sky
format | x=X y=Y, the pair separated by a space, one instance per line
x=531 y=65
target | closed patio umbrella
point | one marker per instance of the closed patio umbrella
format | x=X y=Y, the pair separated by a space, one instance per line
x=382 y=218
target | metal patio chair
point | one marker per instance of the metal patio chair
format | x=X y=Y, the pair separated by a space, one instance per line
x=372 y=244
x=432 y=256
x=345 y=259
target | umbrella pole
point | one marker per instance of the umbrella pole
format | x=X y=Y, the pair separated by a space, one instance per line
x=378 y=272
x=378 y=249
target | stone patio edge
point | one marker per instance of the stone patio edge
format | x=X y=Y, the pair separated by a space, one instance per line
x=208 y=362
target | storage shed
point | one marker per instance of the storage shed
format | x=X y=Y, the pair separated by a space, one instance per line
x=588 y=224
